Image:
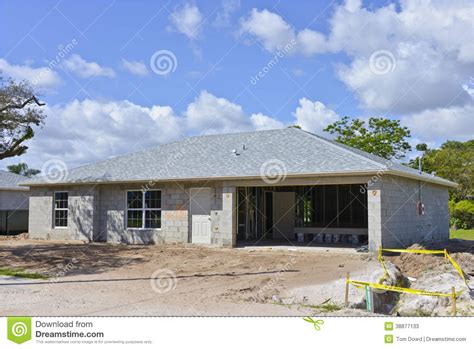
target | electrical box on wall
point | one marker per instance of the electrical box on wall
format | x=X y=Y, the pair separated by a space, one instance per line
x=420 y=208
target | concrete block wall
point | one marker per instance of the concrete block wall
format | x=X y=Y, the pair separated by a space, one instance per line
x=81 y=213
x=224 y=221
x=393 y=217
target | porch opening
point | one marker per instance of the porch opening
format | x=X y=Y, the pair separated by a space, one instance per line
x=303 y=215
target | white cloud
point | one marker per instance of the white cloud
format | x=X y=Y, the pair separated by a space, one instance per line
x=223 y=17
x=187 y=20
x=209 y=114
x=431 y=42
x=43 y=79
x=80 y=67
x=135 y=67
x=451 y=123
x=274 y=33
x=80 y=132
x=314 y=116
x=264 y=122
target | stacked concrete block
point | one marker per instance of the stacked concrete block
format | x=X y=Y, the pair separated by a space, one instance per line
x=394 y=220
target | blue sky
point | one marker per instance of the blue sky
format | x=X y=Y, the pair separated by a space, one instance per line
x=318 y=61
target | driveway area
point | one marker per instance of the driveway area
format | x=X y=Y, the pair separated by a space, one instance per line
x=103 y=279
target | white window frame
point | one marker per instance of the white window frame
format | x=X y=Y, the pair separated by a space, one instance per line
x=60 y=209
x=142 y=210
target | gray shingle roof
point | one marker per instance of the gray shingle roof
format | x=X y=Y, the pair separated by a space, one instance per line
x=10 y=180
x=294 y=151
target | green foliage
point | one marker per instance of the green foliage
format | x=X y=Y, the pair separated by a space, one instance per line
x=23 y=169
x=380 y=136
x=462 y=214
x=454 y=161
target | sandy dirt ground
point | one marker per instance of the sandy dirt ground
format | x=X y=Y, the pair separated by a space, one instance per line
x=103 y=279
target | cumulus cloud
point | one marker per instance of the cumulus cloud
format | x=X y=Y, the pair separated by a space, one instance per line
x=83 y=131
x=135 y=67
x=430 y=47
x=456 y=122
x=314 y=116
x=187 y=20
x=274 y=33
x=43 y=79
x=80 y=132
x=263 y=122
x=80 y=67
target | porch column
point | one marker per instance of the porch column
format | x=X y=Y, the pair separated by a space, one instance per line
x=374 y=208
x=229 y=215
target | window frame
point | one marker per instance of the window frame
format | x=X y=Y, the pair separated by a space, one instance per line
x=60 y=209
x=143 y=210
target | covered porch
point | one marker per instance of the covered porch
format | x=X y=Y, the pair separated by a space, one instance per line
x=302 y=215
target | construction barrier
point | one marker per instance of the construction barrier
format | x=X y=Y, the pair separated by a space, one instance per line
x=362 y=284
x=444 y=252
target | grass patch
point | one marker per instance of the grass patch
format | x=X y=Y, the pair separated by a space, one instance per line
x=326 y=307
x=21 y=274
x=465 y=234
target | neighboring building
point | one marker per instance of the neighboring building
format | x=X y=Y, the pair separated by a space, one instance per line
x=223 y=189
x=13 y=204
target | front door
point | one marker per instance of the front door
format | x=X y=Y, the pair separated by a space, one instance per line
x=200 y=207
x=284 y=215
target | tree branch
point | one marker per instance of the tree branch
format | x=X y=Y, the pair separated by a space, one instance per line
x=22 y=105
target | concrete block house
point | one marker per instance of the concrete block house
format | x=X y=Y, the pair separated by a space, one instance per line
x=13 y=204
x=279 y=185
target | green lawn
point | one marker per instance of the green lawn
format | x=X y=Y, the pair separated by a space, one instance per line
x=462 y=234
x=21 y=273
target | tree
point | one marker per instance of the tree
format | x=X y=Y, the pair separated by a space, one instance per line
x=23 y=169
x=19 y=112
x=454 y=161
x=382 y=137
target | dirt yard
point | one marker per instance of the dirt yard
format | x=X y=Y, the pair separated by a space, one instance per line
x=102 y=279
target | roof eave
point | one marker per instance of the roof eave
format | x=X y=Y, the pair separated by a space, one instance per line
x=435 y=180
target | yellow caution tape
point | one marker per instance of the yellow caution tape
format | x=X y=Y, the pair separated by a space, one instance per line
x=401 y=289
x=414 y=251
x=456 y=266
x=446 y=255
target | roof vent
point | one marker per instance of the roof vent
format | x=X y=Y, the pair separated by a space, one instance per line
x=234 y=151
x=244 y=147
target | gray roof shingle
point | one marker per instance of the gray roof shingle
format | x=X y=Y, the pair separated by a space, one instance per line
x=10 y=180
x=295 y=151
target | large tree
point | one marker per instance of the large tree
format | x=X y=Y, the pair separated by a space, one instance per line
x=19 y=112
x=454 y=161
x=23 y=169
x=379 y=136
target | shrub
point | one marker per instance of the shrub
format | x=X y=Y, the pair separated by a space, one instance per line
x=462 y=214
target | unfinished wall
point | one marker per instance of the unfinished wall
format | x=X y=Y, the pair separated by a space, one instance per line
x=81 y=217
x=393 y=217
